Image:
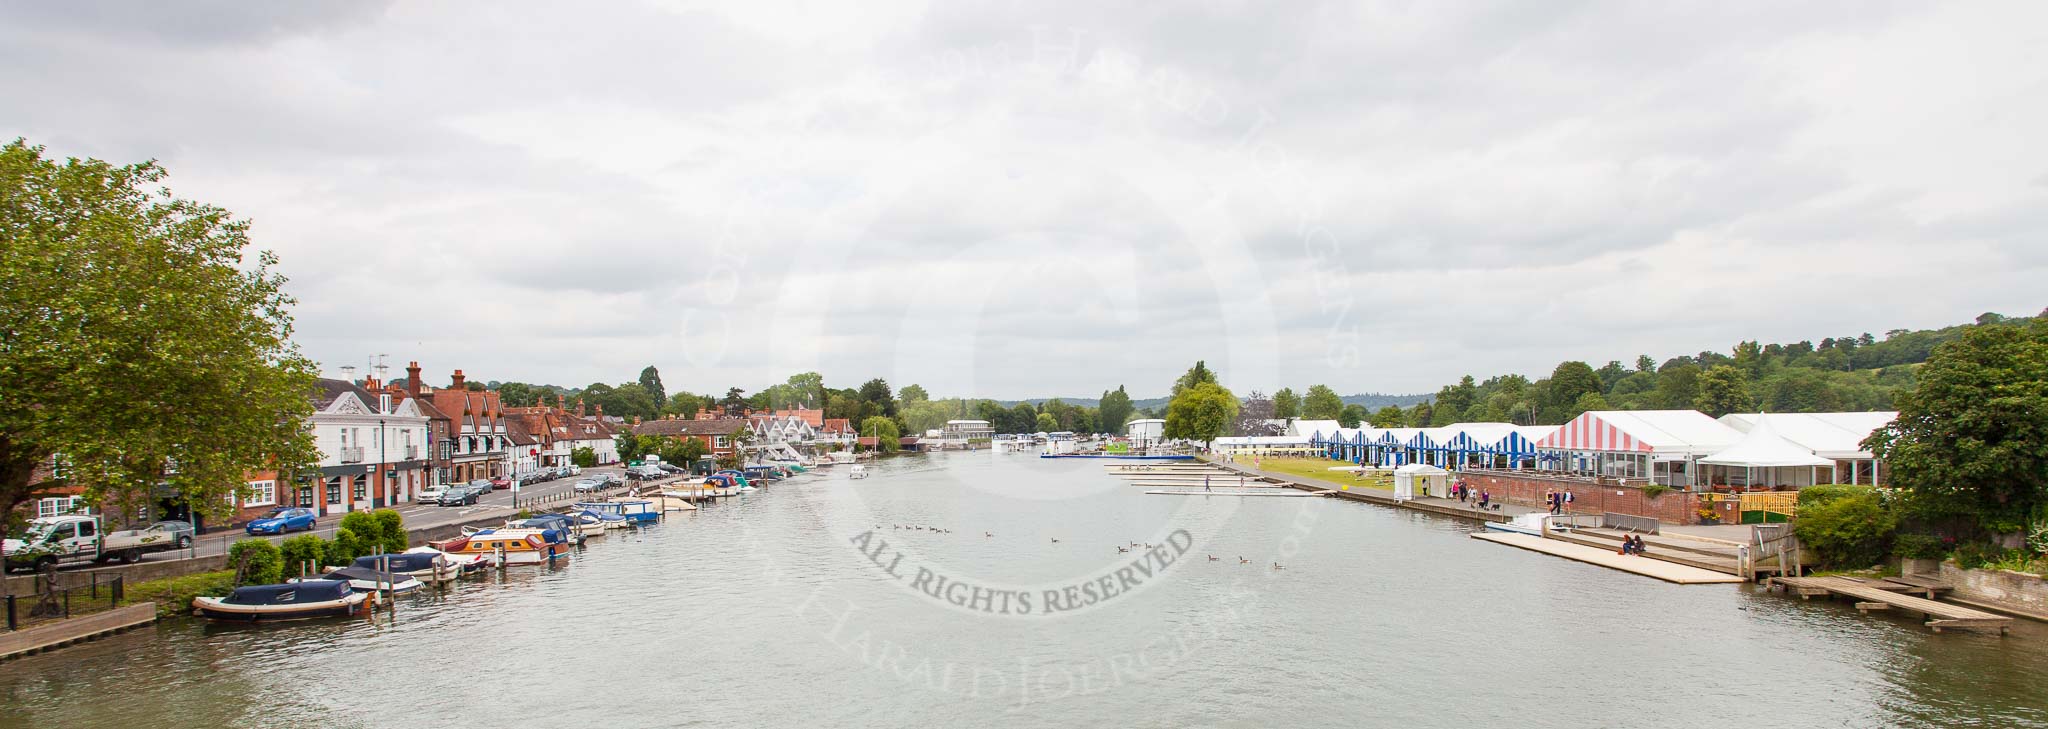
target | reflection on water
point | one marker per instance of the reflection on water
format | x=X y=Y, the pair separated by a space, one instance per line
x=766 y=611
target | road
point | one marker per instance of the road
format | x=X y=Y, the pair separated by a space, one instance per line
x=417 y=516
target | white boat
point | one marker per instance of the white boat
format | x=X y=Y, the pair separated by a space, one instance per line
x=1531 y=524
x=364 y=579
x=858 y=471
x=844 y=457
x=465 y=563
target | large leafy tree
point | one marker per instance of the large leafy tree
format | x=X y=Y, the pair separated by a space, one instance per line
x=1569 y=382
x=1286 y=404
x=1322 y=403
x=914 y=393
x=887 y=438
x=137 y=344
x=876 y=392
x=1200 y=412
x=1113 y=410
x=1972 y=436
x=1388 y=417
x=1198 y=374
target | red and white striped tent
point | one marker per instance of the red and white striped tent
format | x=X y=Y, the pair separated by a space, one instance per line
x=1631 y=443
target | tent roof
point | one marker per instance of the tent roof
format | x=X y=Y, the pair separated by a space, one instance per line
x=1828 y=435
x=1312 y=427
x=1763 y=448
x=1420 y=469
x=1263 y=440
x=1667 y=432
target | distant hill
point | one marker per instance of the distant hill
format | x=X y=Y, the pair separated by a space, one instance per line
x=1371 y=401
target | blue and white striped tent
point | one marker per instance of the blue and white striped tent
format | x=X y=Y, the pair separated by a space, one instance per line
x=1466 y=444
x=1389 y=449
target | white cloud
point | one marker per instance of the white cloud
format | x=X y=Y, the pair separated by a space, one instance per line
x=1029 y=200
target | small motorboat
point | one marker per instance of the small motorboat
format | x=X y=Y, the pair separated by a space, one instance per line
x=858 y=470
x=594 y=524
x=1531 y=524
x=291 y=601
x=366 y=579
x=465 y=563
x=636 y=511
x=518 y=546
x=428 y=566
x=570 y=527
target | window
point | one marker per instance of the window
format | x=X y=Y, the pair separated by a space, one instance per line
x=57 y=506
x=262 y=493
x=306 y=496
x=361 y=490
x=334 y=490
x=721 y=442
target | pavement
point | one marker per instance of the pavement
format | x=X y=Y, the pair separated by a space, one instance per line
x=417 y=516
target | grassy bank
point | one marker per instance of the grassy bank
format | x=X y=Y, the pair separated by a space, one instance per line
x=173 y=595
x=1319 y=469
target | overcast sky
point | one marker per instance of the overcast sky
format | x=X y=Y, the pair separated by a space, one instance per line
x=1027 y=199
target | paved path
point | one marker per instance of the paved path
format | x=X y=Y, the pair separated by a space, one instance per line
x=1667 y=571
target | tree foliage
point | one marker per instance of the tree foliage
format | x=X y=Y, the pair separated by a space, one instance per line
x=136 y=340
x=1723 y=389
x=883 y=430
x=1286 y=404
x=1200 y=412
x=1321 y=403
x=650 y=381
x=1114 y=410
x=1972 y=437
x=260 y=561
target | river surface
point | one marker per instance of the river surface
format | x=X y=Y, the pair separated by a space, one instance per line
x=774 y=610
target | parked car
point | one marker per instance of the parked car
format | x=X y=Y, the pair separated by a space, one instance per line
x=500 y=482
x=587 y=485
x=431 y=494
x=282 y=519
x=461 y=495
x=181 y=532
x=669 y=468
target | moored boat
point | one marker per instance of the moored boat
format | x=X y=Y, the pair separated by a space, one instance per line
x=636 y=511
x=291 y=601
x=365 y=579
x=518 y=546
x=1531 y=524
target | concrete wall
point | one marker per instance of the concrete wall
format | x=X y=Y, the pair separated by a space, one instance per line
x=2020 y=590
x=1671 y=507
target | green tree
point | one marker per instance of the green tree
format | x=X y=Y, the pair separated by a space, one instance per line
x=876 y=392
x=1678 y=385
x=883 y=430
x=1388 y=417
x=1195 y=375
x=1047 y=423
x=1852 y=531
x=913 y=393
x=1723 y=390
x=650 y=382
x=1353 y=415
x=1200 y=412
x=346 y=546
x=260 y=562
x=1286 y=404
x=1569 y=382
x=1114 y=410
x=1972 y=436
x=583 y=457
x=1322 y=403
x=518 y=394
x=735 y=402
x=1587 y=402
x=691 y=451
x=1421 y=415
x=135 y=335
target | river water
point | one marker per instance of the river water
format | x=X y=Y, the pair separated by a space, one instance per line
x=784 y=608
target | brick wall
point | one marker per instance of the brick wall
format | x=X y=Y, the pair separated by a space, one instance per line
x=1671 y=507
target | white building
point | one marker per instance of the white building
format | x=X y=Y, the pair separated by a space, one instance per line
x=1145 y=432
x=967 y=430
x=373 y=450
x=1836 y=437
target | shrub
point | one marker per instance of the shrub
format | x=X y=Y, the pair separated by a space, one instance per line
x=1919 y=546
x=1974 y=555
x=364 y=525
x=346 y=547
x=391 y=530
x=303 y=554
x=261 y=561
x=1823 y=493
x=1654 y=490
x=1852 y=530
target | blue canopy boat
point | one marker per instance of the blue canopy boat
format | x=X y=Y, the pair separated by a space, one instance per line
x=294 y=601
x=638 y=511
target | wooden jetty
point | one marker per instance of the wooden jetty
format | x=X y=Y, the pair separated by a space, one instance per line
x=50 y=636
x=1666 y=571
x=1891 y=595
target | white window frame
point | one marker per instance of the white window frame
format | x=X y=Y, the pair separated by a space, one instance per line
x=263 y=493
x=721 y=441
x=57 y=506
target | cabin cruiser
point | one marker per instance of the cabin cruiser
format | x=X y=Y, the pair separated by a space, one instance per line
x=366 y=579
x=636 y=511
x=859 y=471
x=465 y=563
x=290 y=601
x=428 y=566
x=517 y=546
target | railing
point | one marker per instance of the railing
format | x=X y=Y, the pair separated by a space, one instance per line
x=1625 y=522
x=28 y=610
x=1772 y=502
x=352 y=455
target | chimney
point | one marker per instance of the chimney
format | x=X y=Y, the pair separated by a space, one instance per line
x=579 y=407
x=600 y=411
x=457 y=381
x=561 y=402
x=412 y=379
x=636 y=420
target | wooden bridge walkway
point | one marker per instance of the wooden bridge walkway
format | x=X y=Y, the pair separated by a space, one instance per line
x=1887 y=595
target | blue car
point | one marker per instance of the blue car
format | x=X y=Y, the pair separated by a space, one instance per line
x=283 y=520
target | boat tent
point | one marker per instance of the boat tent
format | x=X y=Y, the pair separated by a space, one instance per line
x=1268 y=445
x=1316 y=428
x=1431 y=479
x=1465 y=444
x=1767 y=459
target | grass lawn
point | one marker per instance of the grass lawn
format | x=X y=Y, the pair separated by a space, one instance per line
x=1319 y=468
x=173 y=595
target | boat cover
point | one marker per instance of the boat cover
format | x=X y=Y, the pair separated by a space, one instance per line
x=401 y=562
x=290 y=594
